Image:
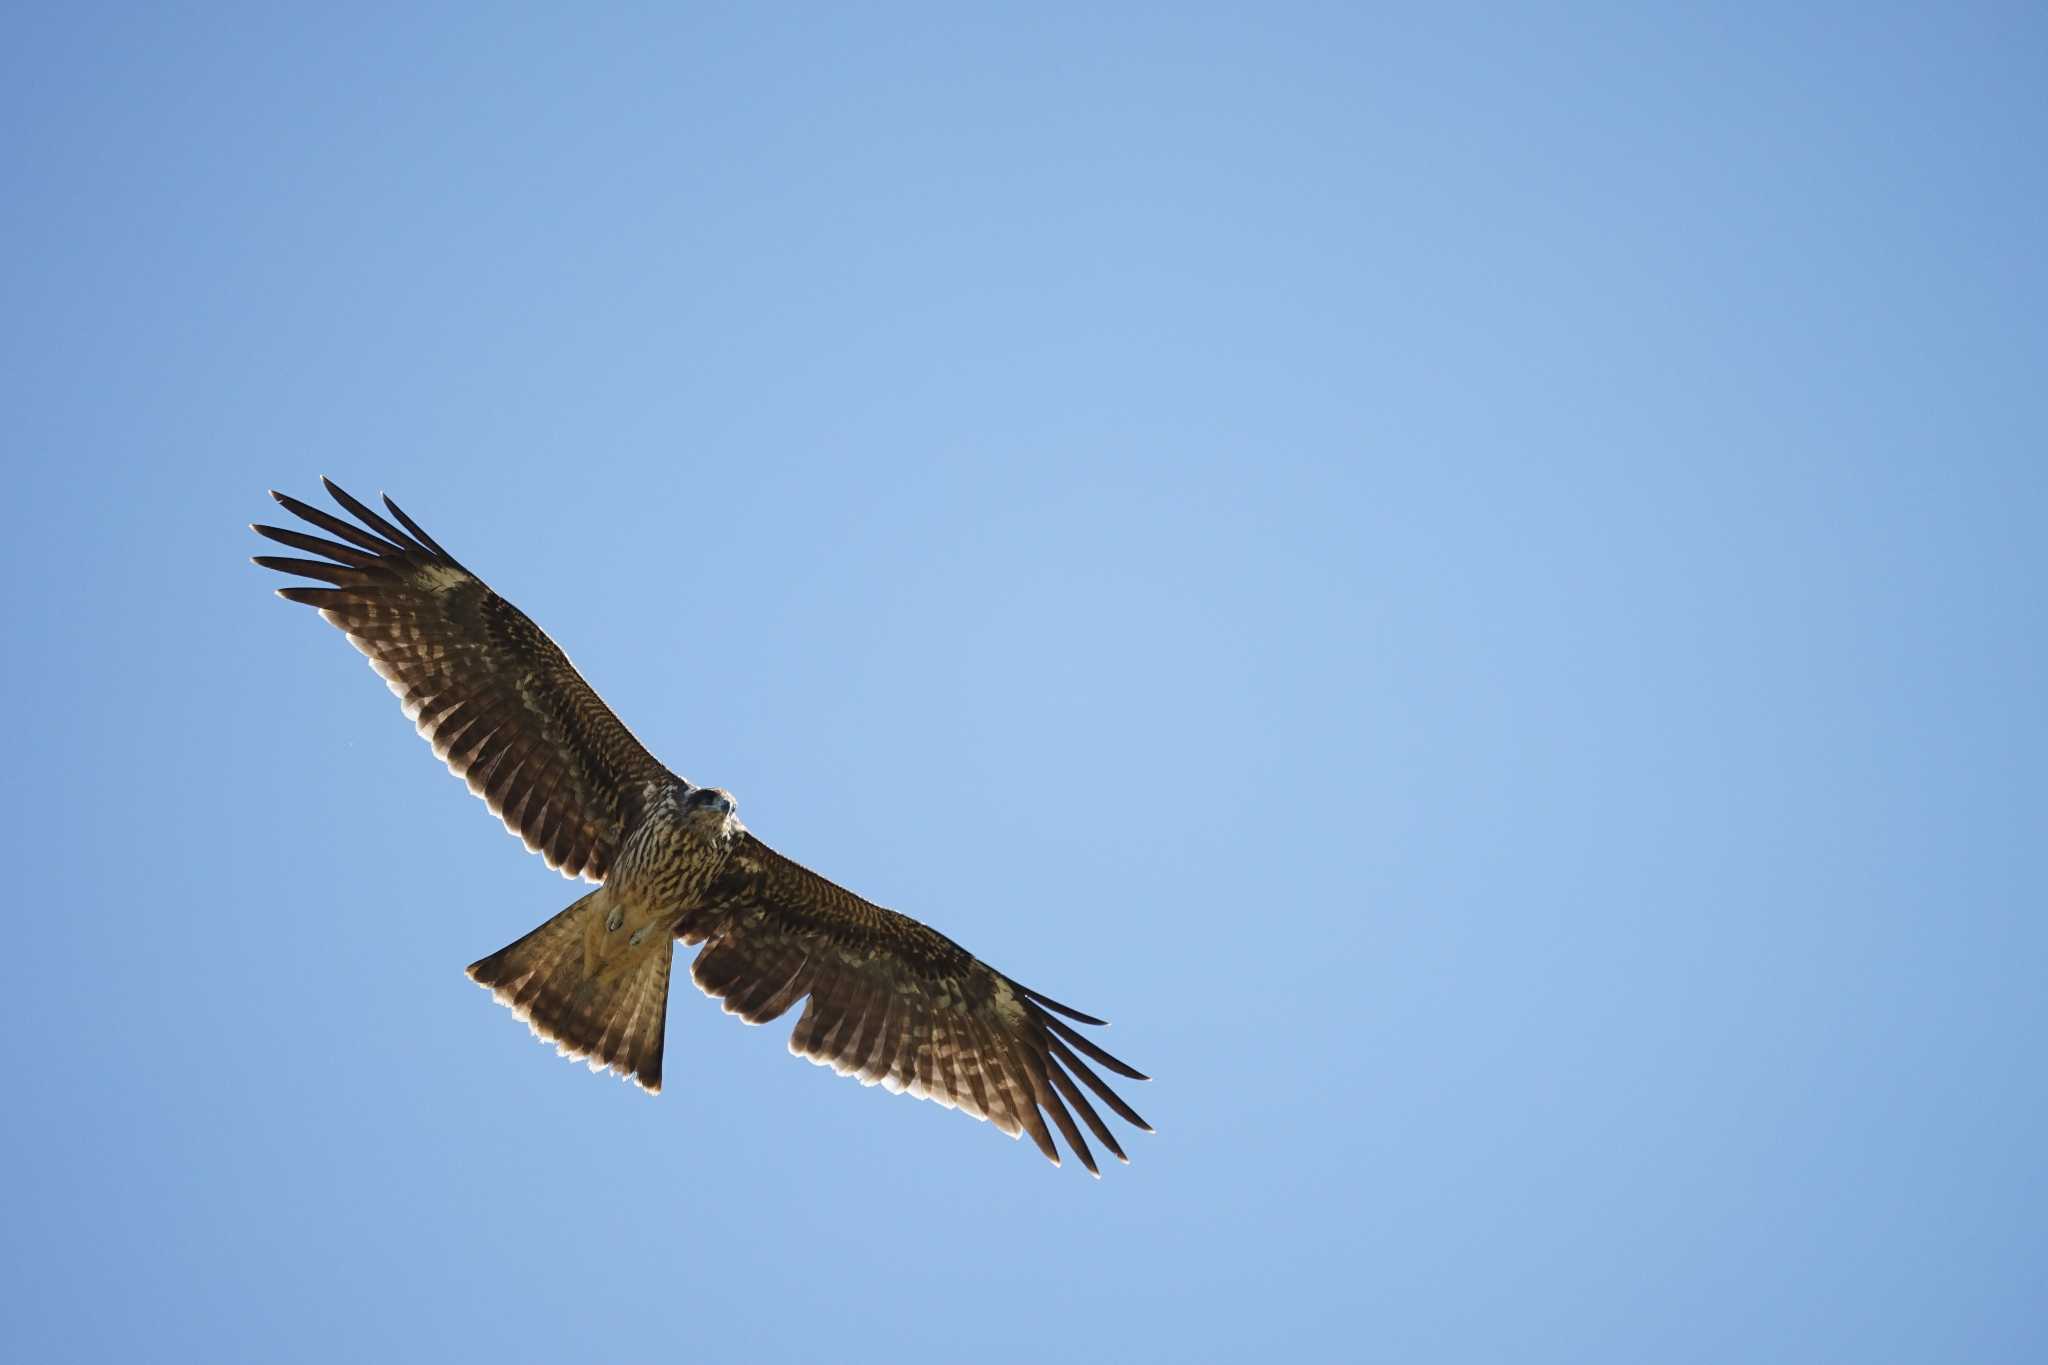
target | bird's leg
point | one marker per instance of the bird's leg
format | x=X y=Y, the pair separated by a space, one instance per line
x=662 y=925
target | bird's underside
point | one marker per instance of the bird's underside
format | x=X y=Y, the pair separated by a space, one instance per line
x=886 y=999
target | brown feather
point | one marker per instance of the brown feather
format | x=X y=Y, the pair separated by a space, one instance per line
x=298 y=540
x=1078 y=1102
x=1049 y=1101
x=1098 y=1085
x=327 y=521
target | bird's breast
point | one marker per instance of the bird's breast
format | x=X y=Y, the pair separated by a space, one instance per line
x=668 y=861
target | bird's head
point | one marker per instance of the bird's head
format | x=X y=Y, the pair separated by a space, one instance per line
x=714 y=806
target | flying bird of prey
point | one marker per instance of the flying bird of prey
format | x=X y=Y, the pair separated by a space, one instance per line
x=887 y=999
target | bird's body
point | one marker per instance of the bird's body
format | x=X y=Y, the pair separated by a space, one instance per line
x=668 y=863
x=888 y=999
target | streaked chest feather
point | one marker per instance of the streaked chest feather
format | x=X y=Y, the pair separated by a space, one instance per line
x=668 y=860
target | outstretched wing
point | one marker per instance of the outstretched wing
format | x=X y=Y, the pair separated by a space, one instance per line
x=894 y=1001
x=492 y=693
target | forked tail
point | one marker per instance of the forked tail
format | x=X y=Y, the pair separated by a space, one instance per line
x=610 y=1008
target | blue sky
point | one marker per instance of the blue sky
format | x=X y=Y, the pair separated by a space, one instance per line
x=1470 y=577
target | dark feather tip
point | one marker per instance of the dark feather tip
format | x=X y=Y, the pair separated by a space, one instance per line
x=1058 y=1008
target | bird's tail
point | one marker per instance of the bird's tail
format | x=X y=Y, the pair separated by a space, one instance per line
x=593 y=994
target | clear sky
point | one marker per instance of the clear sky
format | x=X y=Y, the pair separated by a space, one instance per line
x=1472 y=578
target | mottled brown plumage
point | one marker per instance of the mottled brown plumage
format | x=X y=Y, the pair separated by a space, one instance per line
x=494 y=696
x=888 y=1000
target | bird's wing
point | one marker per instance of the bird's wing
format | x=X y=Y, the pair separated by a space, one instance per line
x=894 y=1001
x=486 y=687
